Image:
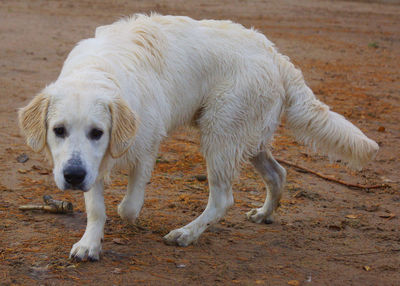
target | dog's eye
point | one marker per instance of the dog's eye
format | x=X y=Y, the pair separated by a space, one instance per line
x=60 y=131
x=95 y=134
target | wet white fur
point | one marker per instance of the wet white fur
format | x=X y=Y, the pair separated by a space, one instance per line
x=227 y=80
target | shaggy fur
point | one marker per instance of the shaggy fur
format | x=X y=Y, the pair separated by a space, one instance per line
x=140 y=78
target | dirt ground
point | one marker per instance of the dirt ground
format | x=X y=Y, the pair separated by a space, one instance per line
x=325 y=233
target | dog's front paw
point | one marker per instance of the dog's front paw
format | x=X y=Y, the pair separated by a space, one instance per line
x=259 y=216
x=180 y=237
x=85 y=250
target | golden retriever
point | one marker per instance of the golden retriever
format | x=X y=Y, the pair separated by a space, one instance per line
x=120 y=93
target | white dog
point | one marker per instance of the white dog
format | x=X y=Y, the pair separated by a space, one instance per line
x=120 y=93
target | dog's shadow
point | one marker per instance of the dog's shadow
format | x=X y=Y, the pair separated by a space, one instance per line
x=75 y=221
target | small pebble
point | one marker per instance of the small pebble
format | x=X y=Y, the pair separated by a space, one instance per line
x=22 y=158
x=119 y=241
x=201 y=178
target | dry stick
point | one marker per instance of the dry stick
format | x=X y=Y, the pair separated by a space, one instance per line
x=329 y=178
x=51 y=205
x=62 y=206
x=193 y=187
x=48 y=208
x=325 y=177
x=371 y=252
x=159 y=276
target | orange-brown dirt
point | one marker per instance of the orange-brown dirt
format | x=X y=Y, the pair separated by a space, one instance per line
x=324 y=234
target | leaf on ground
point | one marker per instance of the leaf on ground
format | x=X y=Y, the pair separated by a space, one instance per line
x=294 y=282
x=367 y=268
x=352 y=216
x=388 y=216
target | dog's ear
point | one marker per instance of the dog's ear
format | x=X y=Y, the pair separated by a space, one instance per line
x=32 y=121
x=123 y=127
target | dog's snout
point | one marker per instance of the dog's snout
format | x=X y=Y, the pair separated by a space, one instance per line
x=74 y=175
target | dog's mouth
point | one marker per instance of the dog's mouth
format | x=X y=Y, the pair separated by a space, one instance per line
x=80 y=187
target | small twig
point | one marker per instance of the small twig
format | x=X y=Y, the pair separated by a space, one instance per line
x=61 y=206
x=332 y=179
x=51 y=205
x=371 y=252
x=193 y=187
x=47 y=208
x=159 y=276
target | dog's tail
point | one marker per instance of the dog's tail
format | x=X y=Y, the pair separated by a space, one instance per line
x=314 y=124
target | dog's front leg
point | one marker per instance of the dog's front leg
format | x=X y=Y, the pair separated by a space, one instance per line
x=90 y=244
x=139 y=176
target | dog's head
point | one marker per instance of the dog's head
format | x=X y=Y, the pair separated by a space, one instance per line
x=80 y=128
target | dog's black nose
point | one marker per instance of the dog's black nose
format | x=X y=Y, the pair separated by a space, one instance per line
x=74 y=175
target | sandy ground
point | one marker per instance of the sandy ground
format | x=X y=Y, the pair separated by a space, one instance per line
x=325 y=233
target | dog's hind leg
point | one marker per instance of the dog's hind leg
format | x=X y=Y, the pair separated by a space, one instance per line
x=139 y=176
x=274 y=176
x=220 y=176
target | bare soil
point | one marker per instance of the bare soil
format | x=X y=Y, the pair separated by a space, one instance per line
x=325 y=233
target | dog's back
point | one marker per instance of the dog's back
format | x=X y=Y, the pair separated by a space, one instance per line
x=229 y=79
